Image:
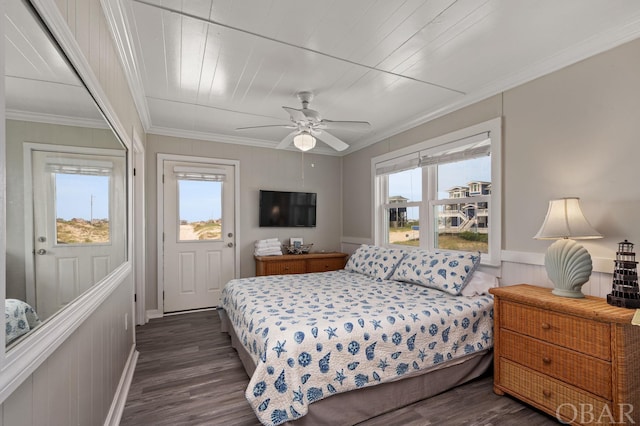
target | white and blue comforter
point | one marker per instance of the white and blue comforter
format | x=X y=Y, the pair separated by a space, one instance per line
x=314 y=335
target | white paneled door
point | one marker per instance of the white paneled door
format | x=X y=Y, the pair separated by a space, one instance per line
x=75 y=224
x=198 y=232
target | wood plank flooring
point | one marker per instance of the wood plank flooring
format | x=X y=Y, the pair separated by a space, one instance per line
x=188 y=374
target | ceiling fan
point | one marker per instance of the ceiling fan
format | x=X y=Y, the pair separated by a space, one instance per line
x=309 y=126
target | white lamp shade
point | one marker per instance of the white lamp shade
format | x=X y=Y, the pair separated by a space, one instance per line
x=304 y=141
x=566 y=220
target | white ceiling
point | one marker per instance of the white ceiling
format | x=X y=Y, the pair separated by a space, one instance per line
x=202 y=68
x=39 y=83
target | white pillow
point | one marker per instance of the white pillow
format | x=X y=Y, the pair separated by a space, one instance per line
x=479 y=284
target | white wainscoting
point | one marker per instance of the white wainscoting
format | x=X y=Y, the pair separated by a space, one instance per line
x=79 y=382
x=528 y=268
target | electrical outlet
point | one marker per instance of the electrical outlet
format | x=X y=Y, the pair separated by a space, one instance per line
x=126 y=321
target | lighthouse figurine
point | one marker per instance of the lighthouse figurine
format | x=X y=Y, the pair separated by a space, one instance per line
x=625 y=292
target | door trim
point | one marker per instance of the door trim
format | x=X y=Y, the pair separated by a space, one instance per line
x=161 y=158
x=139 y=223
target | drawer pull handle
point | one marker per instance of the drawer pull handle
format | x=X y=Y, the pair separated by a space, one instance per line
x=545 y=326
x=546 y=360
x=546 y=393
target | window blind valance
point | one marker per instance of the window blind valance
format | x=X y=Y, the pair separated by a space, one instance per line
x=200 y=173
x=399 y=164
x=475 y=146
x=79 y=166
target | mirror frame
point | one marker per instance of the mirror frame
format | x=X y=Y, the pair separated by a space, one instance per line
x=26 y=356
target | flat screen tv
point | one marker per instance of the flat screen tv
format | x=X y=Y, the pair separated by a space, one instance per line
x=287 y=209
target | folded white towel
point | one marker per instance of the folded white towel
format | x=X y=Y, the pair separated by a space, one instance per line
x=268 y=240
x=268 y=252
x=268 y=244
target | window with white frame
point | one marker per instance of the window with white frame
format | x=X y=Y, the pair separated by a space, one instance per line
x=442 y=194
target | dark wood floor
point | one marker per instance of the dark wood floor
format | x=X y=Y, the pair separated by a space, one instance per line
x=188 y=374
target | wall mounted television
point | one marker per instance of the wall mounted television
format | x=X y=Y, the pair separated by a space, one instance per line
x=287 y=209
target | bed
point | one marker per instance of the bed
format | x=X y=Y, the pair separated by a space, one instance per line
x=340 y=347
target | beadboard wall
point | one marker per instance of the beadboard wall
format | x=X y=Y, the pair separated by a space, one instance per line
x=76 y=385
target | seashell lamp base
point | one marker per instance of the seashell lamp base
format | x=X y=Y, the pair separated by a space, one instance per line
x=568 y=266
x=576 y=294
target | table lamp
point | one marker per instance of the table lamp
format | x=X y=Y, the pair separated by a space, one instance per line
x=568 y=263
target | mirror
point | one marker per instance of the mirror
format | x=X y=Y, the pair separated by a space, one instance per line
x=66 y=195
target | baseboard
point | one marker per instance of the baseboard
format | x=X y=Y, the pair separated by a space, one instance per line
x=120 y=398
x=154 y=313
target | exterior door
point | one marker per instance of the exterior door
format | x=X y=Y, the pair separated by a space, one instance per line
x=198 y=232
x=76 y=212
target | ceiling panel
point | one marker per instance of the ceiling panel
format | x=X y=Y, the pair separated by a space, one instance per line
x=203 y=68
x=39 y=84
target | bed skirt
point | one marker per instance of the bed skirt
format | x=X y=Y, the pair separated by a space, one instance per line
x=358 y=405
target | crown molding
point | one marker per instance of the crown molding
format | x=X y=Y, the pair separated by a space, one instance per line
x=235 y=140
x=116 y=17
x=56 y=119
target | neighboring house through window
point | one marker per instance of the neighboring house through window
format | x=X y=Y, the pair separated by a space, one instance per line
x=442 y=194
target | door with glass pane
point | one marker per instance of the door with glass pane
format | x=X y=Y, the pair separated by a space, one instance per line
x=198 y=229
x=76 y=213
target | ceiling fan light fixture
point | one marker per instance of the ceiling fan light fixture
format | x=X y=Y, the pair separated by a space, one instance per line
x=304 y=141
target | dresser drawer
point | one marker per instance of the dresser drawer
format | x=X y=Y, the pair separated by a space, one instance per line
x=300 y=263
x=286 y=267
x=550 y=394
x=584 y=371
x=577 y=333
x=324 y=265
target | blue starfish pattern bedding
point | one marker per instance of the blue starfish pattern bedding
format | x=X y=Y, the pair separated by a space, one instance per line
x=314 y=335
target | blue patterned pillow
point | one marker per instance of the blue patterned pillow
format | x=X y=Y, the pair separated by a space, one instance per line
x=374 y=261
x=444 y=271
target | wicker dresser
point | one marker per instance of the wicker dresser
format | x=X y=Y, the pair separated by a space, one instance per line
x=576 y=359
x=300 y=263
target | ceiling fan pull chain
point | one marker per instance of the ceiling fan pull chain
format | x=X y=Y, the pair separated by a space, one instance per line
x=302 y=167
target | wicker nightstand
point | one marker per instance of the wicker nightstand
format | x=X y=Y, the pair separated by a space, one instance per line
x=576 y=359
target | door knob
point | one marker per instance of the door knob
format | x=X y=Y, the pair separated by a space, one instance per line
x=41 y=251
x=229 y=244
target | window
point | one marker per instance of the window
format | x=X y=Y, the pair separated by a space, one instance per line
x=402 y=207
x=199 y=203
x=442 y=194
x=81 y=197
x=82 y=209
x=200 y=209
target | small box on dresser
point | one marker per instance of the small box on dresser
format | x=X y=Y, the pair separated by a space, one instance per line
x=300 y=263
x=576 y=359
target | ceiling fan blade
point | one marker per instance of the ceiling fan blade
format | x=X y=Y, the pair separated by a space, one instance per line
x=359 y=126
x=296 y=114
x=287 y=140
x=332 y=141
x=286 y=126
